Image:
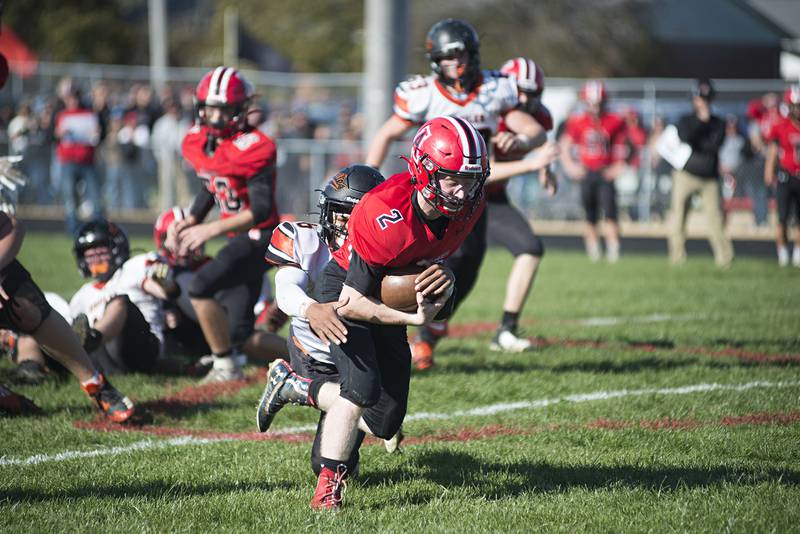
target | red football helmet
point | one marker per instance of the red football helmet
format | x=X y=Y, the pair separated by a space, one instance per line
x=792 y=95
x=449 y=146
x=160 y=236
x=594 y=92
x=528 y=74
x=224 y=87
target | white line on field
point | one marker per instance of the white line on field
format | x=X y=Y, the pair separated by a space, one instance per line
x=653 y=318
x=110 y=451
x=420 y=416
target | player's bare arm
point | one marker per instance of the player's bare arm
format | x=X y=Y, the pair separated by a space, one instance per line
x=392 y=129
x=325 y=321
x=363 y=308
x=539 y=159
x=528 y=134
x=574 y=169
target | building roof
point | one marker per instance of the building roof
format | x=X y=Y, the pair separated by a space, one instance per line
x=714 y=22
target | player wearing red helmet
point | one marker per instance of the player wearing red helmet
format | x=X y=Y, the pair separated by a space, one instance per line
x=784 y=153
x=593 y=133
x=420 y=216
x=237 y=166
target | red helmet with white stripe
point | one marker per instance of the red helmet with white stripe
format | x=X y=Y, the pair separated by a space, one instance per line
x=792 y=95
x=224 y=87
x=160 y=228
x=528 y=74
x=594 y=92
x=449 y=147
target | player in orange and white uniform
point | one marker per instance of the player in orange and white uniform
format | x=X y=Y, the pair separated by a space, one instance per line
x=458 y=87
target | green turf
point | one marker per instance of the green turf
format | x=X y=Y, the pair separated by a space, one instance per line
x=597 y=465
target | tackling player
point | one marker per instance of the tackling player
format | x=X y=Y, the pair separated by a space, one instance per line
x=593 y=133
x=301 y=251
x=421 y=216
x=784 y=150
x=237 y=165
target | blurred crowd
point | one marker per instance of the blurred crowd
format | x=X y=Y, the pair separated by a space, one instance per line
x=120 y=150
x=117 y=147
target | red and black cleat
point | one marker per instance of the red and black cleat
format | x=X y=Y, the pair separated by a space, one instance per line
x=330 y=489
x=15 y=404
x=114 y=405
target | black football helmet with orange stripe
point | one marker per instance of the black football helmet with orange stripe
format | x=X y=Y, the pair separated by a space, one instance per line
x=343 y=191
x=101 y=234
x=447 y=39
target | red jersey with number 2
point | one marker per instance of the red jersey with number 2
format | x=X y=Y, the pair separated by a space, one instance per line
x=786 y=133
x=385 y=230
x=236 y=160
x=594 y=137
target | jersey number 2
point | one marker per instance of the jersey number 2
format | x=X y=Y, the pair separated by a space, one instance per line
x=393 y=217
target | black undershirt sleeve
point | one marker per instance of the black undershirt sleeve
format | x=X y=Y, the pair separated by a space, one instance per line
x=201 y=205
x=362 y=276
x=259 y=188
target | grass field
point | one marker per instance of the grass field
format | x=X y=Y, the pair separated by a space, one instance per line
x=658 y=400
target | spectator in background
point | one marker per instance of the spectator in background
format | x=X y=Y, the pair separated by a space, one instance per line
x=730 y=153
x=26 y=138
x=705 y=133
x=168 y=132
x=77 y=131
x=593 y=134
x=763 y=114
x=628 y=149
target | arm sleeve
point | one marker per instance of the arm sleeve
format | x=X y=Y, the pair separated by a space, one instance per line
x=363 y=277
x=449 y=307
x=290 y=290
x=201 y=205
x=259 y=188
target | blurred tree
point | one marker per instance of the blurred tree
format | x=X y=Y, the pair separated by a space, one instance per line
x=77 y=30
x=567 y=37
x=314 y=36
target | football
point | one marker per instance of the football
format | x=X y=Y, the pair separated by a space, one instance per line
x=397 y=288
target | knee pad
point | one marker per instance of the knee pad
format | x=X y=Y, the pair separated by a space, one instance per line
x=200 y=288
x=364 y=397
x=388 y=425
x=27 y=309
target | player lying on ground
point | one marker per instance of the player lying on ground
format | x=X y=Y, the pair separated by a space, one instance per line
x=23 y=308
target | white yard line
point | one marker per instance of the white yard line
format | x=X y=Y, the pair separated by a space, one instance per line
x=109 y=451
x=640 y=319
x=491 y=409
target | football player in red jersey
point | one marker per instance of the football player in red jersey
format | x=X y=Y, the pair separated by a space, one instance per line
x=593 y=133
x=784 y=150
x=237 y=165
x=420 y=216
